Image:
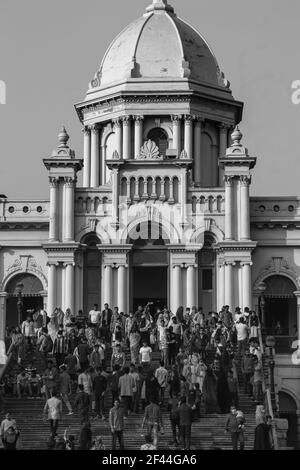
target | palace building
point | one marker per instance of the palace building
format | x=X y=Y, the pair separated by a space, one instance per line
x=164 y=213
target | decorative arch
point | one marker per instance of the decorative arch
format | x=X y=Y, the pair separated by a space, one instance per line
x=167 y=228
x=276 y=266
x=31 y=267
x=163 y=125
x=208 y=228
x=94 y=228
x=5 y=286
x=293 y=395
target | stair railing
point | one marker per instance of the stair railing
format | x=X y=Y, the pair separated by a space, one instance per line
x=267 y=391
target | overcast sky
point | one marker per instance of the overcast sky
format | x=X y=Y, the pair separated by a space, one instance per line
x=50 y=50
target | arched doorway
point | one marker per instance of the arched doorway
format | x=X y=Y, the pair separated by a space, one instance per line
x=281 y=306
x=287 y=410
x=31 y=289
x=149 y=266
x=91 y=273
x=207 y=283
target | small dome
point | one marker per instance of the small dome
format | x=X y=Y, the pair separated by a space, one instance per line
x=159 y=45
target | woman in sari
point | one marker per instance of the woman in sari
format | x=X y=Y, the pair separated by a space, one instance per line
x=210 y=393
x=262 y=431
x=134 y=343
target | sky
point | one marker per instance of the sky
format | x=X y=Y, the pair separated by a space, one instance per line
x=50 y=50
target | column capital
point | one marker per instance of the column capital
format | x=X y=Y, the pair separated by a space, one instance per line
x=52 y=263
x=245 y=180
x=176 y=118
x=125 y=266
x=95 y=128
x=126 y=120
x=229 y=263
x=53 y=182
x=138 y=119
x=3 y=295
x=228 y=180
x=69 y=181
x=86 y=130
x=69 y=263
x=188 y=118
x=246 y=263
x=199 y=120
x=224 y=126
x=117 y=122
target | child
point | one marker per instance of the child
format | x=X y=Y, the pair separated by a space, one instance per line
x=240 y=419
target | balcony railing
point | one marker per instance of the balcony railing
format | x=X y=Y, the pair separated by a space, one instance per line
x=210 y=200
x=92 y=202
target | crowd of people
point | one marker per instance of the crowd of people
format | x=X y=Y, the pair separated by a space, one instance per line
x=84 y=361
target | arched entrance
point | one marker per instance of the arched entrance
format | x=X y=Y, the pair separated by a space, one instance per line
x=287 y=410
x=149 y=266
x=281 y=306
x=31 y=290
x=91 y=272
x=207 y=270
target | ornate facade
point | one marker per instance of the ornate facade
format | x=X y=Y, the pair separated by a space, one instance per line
x=164 y=212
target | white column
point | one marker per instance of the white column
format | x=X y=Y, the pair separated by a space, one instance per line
x=221 y=286
x=53 y=216
x=197 y=150
x=188 y=135
x=228 y=208
x=95 y=156
x=175 y=300
x=247 y=289
x=138 y=135
x=223 y=137
x=229 y=284
x=162 y=196
x=245 y=208
x=115 y=195
x=51 y=288
x=3 y=357
x=103 y=172
x=136 y=190
x=69 y=210
x=177 y=133
x=126 y=137
x=86 y=156
x=107 y=285
x=122 y=289
x=191 y=286
x=118 y=133
x=69 y=283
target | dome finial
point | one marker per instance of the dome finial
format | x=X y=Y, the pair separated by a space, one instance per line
x=63 y=137
x=236 y=136
x=160 y=5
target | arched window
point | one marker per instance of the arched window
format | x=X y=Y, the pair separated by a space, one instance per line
x=160 y=137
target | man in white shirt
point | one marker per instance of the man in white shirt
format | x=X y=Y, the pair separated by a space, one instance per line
x=242 y=336
x=145 y=354
x=94 y=315
x=53 y=407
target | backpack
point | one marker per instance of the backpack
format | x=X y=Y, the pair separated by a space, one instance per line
x=10 y=435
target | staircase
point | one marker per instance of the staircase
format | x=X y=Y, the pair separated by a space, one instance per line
x=207 y=432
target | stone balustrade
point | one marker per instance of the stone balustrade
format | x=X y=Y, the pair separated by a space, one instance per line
x=156 y=188
x=92 y=202
x=207 y=201
x=27 y=211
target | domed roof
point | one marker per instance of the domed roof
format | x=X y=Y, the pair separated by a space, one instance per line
x=159 y=45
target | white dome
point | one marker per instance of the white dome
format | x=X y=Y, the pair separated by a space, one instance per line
x=159 y=45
